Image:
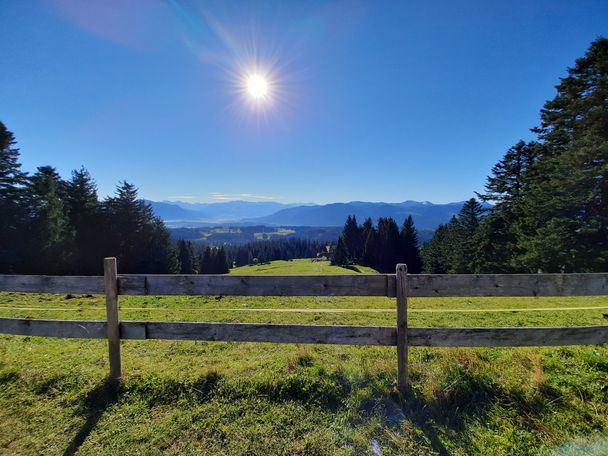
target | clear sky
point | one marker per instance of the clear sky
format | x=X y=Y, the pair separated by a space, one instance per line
x=373 y=101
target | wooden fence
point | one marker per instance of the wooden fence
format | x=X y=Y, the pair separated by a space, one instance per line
x=400 y=285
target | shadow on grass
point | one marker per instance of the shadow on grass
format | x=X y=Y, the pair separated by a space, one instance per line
x=328 y=390
x=94 y=405
x=463 y=397
x=468 y=397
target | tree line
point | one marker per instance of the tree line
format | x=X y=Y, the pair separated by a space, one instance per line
x=380 y=247
x=208 y=260
x=274 y=249
x=197 y=258
x=547 y=199
x=49 y=225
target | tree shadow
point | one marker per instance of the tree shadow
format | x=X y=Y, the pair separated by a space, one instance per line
x=94 y=405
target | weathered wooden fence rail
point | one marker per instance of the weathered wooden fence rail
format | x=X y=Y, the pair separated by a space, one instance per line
x=399 y=285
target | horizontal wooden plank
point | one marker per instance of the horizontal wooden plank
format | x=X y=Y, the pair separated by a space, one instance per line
x=253 y=332
x=508 y=284
x=259 y=285
x=366 y=335
x=311 y=334
x=439 y=285
x=85 y=329
x=52 y=284
x=507 y=337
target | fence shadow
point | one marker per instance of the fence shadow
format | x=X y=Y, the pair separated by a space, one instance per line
x=94 y=405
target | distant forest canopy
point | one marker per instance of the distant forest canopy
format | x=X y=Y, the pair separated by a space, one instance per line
x=380 y=247
x=235 y=234
x=549 y=212
x=197 y=258
x=219 y=235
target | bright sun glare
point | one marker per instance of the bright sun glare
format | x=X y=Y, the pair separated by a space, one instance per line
x=257 y=86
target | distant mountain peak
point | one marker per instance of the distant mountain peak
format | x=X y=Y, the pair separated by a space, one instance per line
x=427 y=215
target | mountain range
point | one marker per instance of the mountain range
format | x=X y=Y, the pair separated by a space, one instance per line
x=182 y=214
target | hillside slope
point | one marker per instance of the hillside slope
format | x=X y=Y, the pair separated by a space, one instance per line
x=301 y=266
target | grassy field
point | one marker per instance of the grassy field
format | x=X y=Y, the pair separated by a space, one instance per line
x=301 y=267
x=244 y=398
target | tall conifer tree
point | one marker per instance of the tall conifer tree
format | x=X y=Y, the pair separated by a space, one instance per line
x=12 y=215
x=409 y=246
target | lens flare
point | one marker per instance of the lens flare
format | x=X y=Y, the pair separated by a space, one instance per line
x=258 y=74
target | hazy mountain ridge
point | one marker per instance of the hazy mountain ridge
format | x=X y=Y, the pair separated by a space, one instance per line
x=426 y=215
x=220 y=212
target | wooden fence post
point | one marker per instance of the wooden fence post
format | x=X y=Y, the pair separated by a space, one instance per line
x=402 y=364
x=113 y=328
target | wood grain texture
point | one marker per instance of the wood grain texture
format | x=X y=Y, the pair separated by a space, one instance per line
x=82 y=329
x=311 y=334
x=508 y=337
x=260 y=285
x=113 y=318
x=419 y=285
x=52 y=284
x=508 y=284
x=595 y=284
x=402 y=339
x=253 y=332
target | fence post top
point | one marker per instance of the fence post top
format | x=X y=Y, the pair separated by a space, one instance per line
x=401 y=267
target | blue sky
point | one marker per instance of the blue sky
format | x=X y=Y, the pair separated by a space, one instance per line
x=373 y=101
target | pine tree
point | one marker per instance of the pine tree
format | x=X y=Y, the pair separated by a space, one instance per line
x=340 y=257
x=214 y=261
x=456 y=247
x=221 y=263
x=564 y=212
x=12 y=214
x=366 y=228
x=509 y=177
x=435 y=252
x=139 y=240
x=186 y=257
x=496 y=239
x=494 y=245
x=48 y=230
x=128 y=220
x=388 y=245
x=469 y=217
x=371 y=248
x=206 y=266
x=353 y=240
x=84 y=222
x=409 y=246
x=463 y=237
x=160 y=256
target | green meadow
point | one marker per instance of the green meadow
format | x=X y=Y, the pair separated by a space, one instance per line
x=257 y=399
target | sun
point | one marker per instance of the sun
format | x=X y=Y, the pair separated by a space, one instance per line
x=257 y=86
